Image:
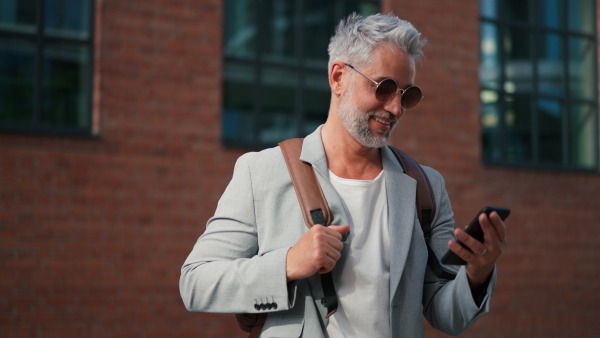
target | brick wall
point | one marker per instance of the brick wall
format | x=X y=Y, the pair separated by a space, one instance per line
x=93 y=231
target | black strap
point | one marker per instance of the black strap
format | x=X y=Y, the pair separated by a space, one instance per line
x=330 y=300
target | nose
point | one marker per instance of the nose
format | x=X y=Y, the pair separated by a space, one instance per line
x=393 y=106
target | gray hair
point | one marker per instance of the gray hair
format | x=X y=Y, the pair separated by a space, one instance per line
x=357 y=36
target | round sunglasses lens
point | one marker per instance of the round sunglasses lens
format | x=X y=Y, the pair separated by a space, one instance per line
x=411 y=97
x=386 y=89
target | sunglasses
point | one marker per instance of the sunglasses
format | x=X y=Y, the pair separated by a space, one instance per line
x=387 y=89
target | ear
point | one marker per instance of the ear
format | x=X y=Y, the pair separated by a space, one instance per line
x=336 y=78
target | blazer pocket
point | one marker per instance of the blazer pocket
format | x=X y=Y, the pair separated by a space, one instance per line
x=283 y=326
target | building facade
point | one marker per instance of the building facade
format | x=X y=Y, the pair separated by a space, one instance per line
x=106 y=185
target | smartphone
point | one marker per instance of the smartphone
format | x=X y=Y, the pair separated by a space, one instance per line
x=474 y=229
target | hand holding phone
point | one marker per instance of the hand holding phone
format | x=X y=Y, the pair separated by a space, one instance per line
x=474 y=229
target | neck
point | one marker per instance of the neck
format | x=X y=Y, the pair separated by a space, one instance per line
x=346 y=157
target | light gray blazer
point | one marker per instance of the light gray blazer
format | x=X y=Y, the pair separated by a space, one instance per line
x=239 y=262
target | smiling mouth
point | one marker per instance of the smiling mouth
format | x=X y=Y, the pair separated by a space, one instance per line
x=387 y=123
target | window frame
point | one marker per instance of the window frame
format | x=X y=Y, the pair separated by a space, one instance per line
x=40 y=40
x=536 y=29
x=300 y=66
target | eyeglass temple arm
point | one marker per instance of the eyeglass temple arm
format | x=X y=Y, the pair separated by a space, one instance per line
x=361 y=73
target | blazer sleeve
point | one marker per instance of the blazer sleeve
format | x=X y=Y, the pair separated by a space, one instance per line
x=224 y=272
x=448 y=305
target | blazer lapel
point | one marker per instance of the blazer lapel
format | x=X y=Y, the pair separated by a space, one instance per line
x=401 y=195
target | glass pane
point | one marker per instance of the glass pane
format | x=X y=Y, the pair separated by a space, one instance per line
x=360 y=7
x=516 y=10
x=65 y=86
x=316 y=102
x=67 y=17
x=18 y=14
x=580 y=16
x=239 y=82
x=240 y=28
x=279 y=101
x=488 y=8
x=550 y=64
x=489 y=71
x=319 y=25
x=582 y=76
x=490 y=125
x=17 y=77
x=519 y=65
x=583 y=151
x=518 y=126
x=548 y=13
x=279 y=39
x=550 y=131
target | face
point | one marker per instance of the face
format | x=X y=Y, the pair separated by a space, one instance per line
x=369 y=121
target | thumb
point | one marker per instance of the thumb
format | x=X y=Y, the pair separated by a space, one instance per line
x=342 y=229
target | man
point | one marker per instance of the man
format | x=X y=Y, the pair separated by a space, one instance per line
x=258 y=256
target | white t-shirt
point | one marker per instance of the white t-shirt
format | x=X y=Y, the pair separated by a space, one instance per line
x=364 y=290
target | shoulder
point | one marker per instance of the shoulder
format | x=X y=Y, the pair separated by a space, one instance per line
x=262 y=164
x=435 y=178
x=260 y=157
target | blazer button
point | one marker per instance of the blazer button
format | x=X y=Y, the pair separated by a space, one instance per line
x=257 y=307
x=274 y=306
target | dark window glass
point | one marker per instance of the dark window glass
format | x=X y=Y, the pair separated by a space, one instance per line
x=45 y=66
x=241 y=28
x=550 y=117
x=489 y=8
x=489 y=71
x=581 y=78
x=583 y=119
x=548 y=13
x=18 y=15
x=538 y=77
x=239 y=92
x=278 y=38
x=550 y=64
x=518 y=69
x=65 y=90
x=275 y=72
x=492 y=126
x=518 y=128
x=17 y=78
x=581 y=15
x=67 y=17
x=516 y=10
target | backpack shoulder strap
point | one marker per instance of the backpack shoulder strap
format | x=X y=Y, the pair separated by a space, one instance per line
x=310 y=196
x=425 y=200
x=426 y=208
x=313 y=204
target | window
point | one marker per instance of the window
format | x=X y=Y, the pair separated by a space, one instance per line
x=275 y=82
x=538 y=76
x=45 y=65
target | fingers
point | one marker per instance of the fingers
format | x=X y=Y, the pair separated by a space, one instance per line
x=481 y=257
x=471 y=243
x=498 y=226
x=317 y=251
x=341 y=229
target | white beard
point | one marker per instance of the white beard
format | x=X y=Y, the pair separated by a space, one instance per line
x=357 y=122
